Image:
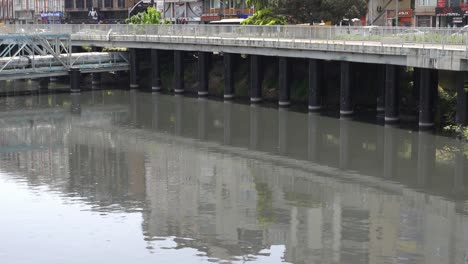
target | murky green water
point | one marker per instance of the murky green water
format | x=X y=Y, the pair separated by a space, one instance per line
x=130 y=177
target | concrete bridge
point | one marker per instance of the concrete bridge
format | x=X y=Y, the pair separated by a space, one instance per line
x=426 y=50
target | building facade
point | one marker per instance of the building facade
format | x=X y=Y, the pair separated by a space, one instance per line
x=6 y=12
x=97 y=11
x=34 y=11
x=424 y=11
x=383 y=13
x=451 y=13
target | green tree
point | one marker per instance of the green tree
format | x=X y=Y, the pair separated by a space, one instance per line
x=336 y=10
x=300 y=11
x=265 y=17
x=150 y=16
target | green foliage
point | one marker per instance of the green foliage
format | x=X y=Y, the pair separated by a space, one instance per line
x=265 y=17
x=150 y=16
x=336 y=10
x=461 y=131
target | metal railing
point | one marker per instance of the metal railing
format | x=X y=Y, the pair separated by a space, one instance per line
x=371 y=34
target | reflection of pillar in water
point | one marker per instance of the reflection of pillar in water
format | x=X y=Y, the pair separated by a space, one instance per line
x=254 y=119
x=283 y=126
x=44 y=84
x=390 y=152
x=133 y=107
x=227 y=122
x=97 y=97
x=314 y=136
x=460 y=170
x=179 y=114
x=426 y=156
x=344 y=143
x=380 y=146
x=75 y=103
x=202 y=117
x=155 y=112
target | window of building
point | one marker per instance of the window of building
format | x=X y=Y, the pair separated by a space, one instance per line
x=121 y=3
x=108 y=3
x=80 y=4
x=427 y=2
x=234 y=3
x=212 y=4
x=68 y=3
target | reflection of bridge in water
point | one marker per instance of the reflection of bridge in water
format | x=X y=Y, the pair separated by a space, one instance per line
x=237 y=189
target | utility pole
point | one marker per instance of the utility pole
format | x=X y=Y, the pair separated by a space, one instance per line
x=397 y=11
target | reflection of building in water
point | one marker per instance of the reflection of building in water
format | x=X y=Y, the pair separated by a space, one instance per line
x=234 y=202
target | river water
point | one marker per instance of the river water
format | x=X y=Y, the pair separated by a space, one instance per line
x=130 y=177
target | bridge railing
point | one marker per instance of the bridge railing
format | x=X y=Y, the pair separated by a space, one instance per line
x=382 y=35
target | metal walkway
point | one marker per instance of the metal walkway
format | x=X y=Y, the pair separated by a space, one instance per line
x=41 y=54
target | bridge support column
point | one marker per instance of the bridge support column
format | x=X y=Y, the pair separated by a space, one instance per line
x=203 y=72
x=133 y=69
x=155 y=71
x=256 y=79
x=44 y=84
x=392 y=94
x=96 y=76
x=75 y=79
x=179 y=71
x=346 y=89
x=315 y=85
x=428 y=91
x=462 y=99
x=381 y=82
x=229 y=81
x=284 y=87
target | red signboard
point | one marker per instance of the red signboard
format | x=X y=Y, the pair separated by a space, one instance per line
x=441 y=3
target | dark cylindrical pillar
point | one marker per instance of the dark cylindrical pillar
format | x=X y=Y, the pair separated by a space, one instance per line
x=315 y=85
x=381 y=69
x=179 y=71
x=44 y=83
x=284 y=87
x=462 y=99
x=428 y=90
x=155 y=71
x=133 y=68
x=229 y=81
x=255 y=79
x=346 y=85
x=392 y=95
x=460 y=170
x=75 y=79
x=203 y=71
